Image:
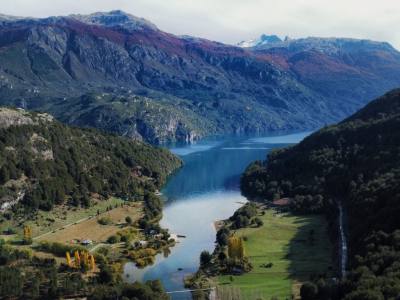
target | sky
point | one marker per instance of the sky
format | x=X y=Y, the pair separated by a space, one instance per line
x=231 y=21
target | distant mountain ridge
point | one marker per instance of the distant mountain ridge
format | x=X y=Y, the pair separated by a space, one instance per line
x=122 y=74
x=116 y=18
x=322 y=44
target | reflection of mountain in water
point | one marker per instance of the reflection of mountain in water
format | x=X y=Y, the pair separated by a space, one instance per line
x=213 y=170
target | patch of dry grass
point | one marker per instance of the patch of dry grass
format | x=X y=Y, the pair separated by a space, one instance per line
x=92 y=230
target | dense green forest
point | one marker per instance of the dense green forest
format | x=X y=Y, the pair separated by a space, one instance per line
x=51 y=163
x=356 y=162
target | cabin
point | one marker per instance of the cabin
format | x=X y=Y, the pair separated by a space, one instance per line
x=281 y=204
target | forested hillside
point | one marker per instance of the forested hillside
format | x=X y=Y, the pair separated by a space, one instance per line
x=356 y=162
x=44 y=163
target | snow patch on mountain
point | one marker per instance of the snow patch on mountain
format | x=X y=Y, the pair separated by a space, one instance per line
x=262 y=40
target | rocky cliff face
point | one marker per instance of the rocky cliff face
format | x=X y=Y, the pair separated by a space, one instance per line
x=12 y=117
x=193 y=86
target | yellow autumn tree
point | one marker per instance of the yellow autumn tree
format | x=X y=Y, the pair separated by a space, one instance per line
x=27 y=235
x=68 y=257
x=86 y=262
x=235 y=247
x=27 y=232
x=77 y=259
x=92 y=262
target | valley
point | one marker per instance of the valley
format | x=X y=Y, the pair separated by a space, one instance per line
x=196 y=199
x=138 y=162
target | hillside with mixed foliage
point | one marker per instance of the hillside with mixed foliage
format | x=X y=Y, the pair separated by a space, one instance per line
x=44 y=163
x=356 y=162
x=122 y=74
x=25 y=276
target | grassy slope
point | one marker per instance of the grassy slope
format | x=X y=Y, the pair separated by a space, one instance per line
x=91 y=229
x=62 y=215
x=282 y=240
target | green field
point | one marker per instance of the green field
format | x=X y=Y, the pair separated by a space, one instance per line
x=285 y=241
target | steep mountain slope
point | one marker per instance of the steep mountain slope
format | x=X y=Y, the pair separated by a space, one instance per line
x=43 y=163
x=356 y=162
x=49 y=64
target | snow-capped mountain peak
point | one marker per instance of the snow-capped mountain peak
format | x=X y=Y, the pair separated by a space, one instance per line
x=262 y=40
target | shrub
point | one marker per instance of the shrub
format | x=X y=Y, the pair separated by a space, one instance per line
x=205 y=258
x=104 y=221
x=222 y=236
x=27 y=241
x=258 y=222
x=58 y=249
x=308 y=291
x=128 y=220
x=268 y=265
x=10 y=231
x=114 y=239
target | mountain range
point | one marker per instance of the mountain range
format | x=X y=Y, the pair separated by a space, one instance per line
x=122 y=74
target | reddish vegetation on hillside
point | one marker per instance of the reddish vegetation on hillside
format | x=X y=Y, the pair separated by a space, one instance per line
x=208 y=87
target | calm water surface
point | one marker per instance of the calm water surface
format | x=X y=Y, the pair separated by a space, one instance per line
x=206 y=189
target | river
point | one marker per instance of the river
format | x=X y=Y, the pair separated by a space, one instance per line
x=206 y=189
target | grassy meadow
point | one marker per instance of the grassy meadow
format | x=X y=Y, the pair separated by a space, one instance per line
x=297 y=246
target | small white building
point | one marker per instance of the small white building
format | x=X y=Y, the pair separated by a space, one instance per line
x=142 y=244
x=87 y=242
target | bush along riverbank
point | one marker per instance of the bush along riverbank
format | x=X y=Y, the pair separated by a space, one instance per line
x=229 y=256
